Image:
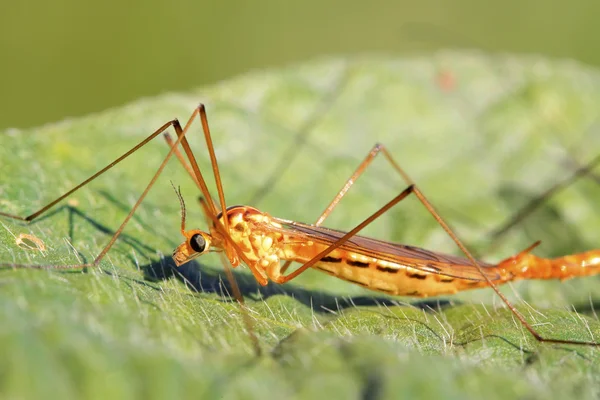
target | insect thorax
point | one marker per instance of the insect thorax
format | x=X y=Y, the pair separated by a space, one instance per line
x=246 y=228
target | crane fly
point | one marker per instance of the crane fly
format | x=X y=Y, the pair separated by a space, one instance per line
x=243 y=234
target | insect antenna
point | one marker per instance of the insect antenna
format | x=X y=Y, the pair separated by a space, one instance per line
x=181 y=205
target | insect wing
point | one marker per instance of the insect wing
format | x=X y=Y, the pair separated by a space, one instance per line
x=414 y=257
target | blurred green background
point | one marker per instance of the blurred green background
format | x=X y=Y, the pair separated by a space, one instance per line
x=67 y=57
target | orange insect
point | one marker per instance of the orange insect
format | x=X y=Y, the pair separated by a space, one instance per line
x=245 y=234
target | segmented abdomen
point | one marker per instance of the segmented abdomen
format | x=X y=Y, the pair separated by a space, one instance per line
x=402 y=280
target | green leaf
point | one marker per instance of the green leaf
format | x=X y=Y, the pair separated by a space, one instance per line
x=482 y=135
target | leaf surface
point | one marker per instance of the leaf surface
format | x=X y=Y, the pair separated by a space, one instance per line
x=481 y=135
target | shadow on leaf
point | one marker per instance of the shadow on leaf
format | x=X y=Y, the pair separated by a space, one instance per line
x=210 y=281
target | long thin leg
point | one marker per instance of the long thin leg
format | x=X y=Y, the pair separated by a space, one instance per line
x=181 y=158
x=347 y=236
x=186 y=166
x=377 y=149
x=177 y=126
x=194 y=171
x=414 y=189
x=581 y=171
x=45 y=208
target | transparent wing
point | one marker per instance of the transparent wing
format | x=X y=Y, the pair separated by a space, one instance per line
x=414 y=257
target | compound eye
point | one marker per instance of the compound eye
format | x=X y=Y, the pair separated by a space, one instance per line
x=198 y=243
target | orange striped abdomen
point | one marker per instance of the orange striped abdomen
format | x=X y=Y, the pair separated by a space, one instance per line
x=387 y=277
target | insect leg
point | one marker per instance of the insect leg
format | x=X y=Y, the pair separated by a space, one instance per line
x=51 y=204
x=176 y=125
x=376 y=150
x=584 y=170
